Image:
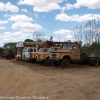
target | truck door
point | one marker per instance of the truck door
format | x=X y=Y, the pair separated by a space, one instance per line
x=76 y=52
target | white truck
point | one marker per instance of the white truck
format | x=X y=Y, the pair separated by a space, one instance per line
x=24 y=49
x=26 y=52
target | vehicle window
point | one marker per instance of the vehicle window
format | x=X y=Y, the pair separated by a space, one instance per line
x=53 y=49
x=41 y=49
x=67 y=47
x=30 y=50
x=25 y=50
x=45 y=50
x=50 y=49
x=75 y=47
x=34 y=50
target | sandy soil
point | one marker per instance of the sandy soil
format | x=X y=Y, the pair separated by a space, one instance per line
x=23 y=81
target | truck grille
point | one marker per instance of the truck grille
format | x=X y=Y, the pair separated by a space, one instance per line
x=38 y=57
x=53 y=55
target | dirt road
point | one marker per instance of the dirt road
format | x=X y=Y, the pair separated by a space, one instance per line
x=26 y=81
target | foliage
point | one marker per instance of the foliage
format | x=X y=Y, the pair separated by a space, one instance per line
x=93 y=49
x=38 y=36
x=10 y=45
x=28 y=40
x=51 y=38
x=1 y=50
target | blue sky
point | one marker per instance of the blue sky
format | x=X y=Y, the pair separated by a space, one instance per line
x=19 y=19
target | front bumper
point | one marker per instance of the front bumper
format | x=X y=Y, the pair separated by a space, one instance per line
x=39 y=59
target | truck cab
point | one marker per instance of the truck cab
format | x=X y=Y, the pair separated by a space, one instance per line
x=26 y=52
x=33 y=56
x=44 y=56
x=70 y=52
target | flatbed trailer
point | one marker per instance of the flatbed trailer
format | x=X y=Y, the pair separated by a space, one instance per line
x=93 y=61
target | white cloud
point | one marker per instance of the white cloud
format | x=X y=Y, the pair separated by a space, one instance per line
x=42 y=5
x=8 y=7
x=6 y=15
x=17 y=18
x=63 y=32
x=26 y=26
x=69 y=6
x=91 y=4
x=2 y=27
x=3 y=22
x=23 y=23
x=70 y=37
x=14 y=37
x=4 y=38
x=2 y=6
x=47 y=8
x=77 y=18
x=24 y=10
x=11 y=34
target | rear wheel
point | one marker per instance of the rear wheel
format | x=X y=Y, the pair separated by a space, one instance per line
x=94 y=62
x=48 y=62
x=65 y=63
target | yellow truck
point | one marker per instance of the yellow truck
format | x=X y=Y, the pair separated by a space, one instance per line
x=34 y=55
x=44 y=56
x=69 y=53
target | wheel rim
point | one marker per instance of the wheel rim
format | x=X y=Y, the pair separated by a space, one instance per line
x=95 y=61
x=66 y=63
x=49 y=62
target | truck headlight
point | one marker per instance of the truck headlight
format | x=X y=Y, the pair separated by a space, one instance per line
x=41 y=56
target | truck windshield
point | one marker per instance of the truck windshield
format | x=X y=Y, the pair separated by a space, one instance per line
x=43 y=50
x=25 y=50
x=67 y=47
x=30 y=50
x=53 y=49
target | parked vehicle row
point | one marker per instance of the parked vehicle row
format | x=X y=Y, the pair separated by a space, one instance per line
x=58 y=55
x=9 y=54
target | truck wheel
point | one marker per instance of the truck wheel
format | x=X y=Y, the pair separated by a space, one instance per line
x=94 y=62
x=65 y=63
x=99 y=60
x=47 y=62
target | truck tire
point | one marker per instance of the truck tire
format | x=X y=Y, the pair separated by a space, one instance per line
x=47 y=62
x=65 y=63
x=94 y=62
x=99 y=61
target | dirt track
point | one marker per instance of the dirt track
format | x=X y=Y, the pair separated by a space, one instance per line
x=37 y=82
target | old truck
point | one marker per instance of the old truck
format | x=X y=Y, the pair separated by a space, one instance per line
x=71 y=53
x=9 y=54
x=44 y=51
x=44 y=56
x=33 y=56
x=24 y=49
x=26 y=52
